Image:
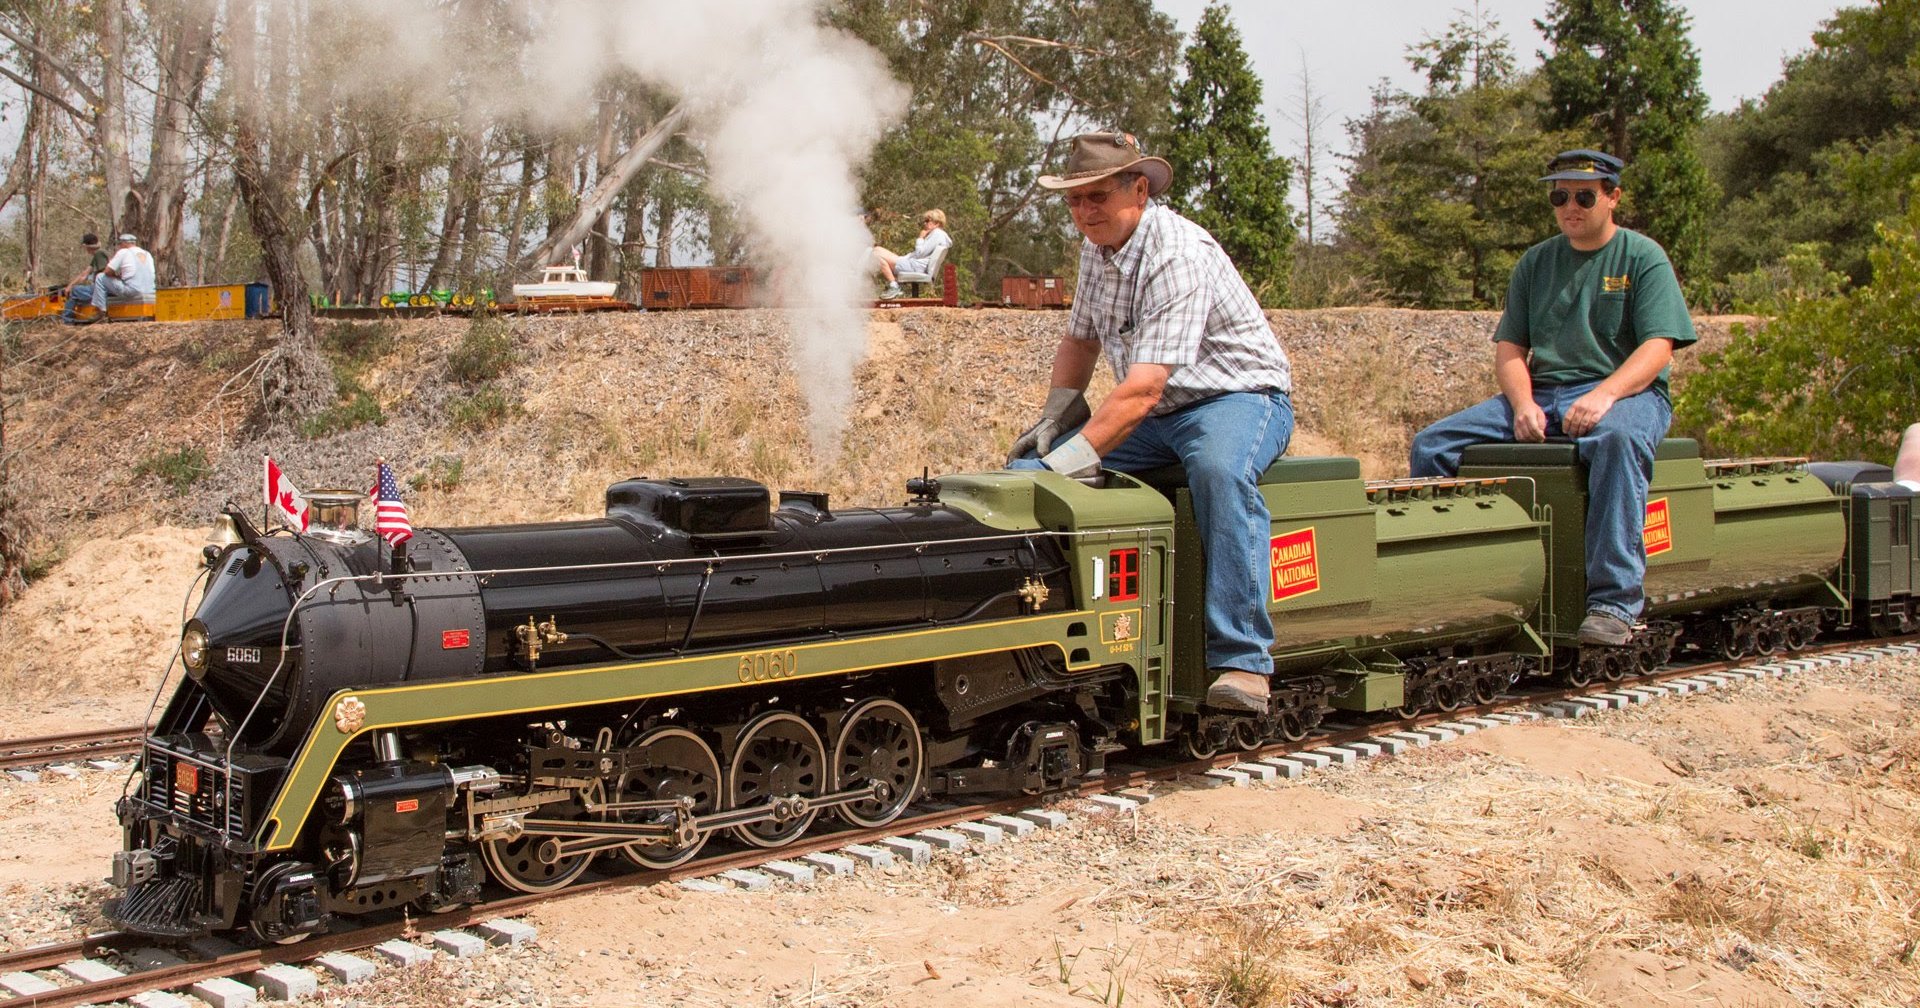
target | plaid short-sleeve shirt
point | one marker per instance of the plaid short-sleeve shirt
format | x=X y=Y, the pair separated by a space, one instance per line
x=1170 y=296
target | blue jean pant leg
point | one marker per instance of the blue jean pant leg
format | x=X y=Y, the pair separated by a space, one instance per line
x=1225 y=444
x=1619 y=457
x=77 y=295
x=110 y=286
x=1437 y=449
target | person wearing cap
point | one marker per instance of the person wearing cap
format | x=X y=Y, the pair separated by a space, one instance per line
x=1201 y=381
x=128 y=274
x=1592 y=318
x=80 y=288
x=933 y=238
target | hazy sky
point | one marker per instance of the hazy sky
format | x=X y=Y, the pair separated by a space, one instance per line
x=1349 y=45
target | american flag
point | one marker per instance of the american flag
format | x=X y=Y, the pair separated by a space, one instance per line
x=389 y=511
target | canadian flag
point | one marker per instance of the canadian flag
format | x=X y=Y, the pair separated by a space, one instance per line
x=283 y=498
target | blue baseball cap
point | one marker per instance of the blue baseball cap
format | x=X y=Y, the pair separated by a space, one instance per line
x=1584 y=165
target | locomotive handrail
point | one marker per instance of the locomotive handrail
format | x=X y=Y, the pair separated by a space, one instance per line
x=333 y=583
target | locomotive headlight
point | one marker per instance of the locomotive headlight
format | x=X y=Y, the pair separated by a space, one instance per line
x=193 y=650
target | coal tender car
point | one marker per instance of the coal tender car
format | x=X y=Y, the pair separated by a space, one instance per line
x=357 y=732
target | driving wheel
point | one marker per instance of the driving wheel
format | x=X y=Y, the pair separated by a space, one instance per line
x=532 y=864
x=777 y=755
x=879 y=741
x=675 y=764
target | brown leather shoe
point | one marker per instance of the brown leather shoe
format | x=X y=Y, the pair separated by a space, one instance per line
x=1234 y=689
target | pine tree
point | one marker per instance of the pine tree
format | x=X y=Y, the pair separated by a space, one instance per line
x=1225 y=175
x=1441 y=199
x=1626 y=72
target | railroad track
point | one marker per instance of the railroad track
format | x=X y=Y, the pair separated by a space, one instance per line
x=98 y=743
x=921 y=818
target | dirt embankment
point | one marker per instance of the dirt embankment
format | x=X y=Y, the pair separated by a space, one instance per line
x=585 y=401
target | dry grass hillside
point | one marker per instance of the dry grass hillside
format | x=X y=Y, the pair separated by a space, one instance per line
x=128 y=438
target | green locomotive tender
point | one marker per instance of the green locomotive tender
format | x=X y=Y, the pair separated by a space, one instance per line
x=358 y=731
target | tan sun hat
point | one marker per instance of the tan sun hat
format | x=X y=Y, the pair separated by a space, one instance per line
x=1097 y=155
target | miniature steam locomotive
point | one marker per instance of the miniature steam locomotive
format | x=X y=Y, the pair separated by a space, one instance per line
x=358 y=730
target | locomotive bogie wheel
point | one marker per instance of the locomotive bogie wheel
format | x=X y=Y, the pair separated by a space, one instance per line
x=1293 y=725
x=678 y=765
x=1767 y=639
x=1246 y=734
x=264 y=907
x=879 y=741
x=1197 y=746
x=777 y=754
x=1799 y=635
x=532 y=864
x=1405 y=713
x=1449 y=694
x=1584 y=669
x=1621 y=664
x=1487 y=689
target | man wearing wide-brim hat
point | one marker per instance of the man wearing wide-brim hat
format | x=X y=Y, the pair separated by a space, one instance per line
x=1202 y=382
x=1592 y=318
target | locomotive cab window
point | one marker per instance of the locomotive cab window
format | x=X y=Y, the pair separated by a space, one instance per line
x=1123 y=575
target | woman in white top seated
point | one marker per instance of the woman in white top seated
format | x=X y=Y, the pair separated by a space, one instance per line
x=933 y=238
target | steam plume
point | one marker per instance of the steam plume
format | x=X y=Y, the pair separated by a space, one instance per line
x=788 y=109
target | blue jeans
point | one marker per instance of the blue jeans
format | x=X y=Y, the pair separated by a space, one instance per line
x=110 y=286
x=77 y=295
x=1618 y=453
x=1225 y=443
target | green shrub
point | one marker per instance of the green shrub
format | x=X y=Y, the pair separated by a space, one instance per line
x=357 y=408
x=179 y=469
x=356 y=342
x=443 y=472
x=485 y=353
x=479 y=411
x=1830 y=373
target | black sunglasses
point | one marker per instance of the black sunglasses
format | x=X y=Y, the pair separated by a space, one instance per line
x=1585 y=197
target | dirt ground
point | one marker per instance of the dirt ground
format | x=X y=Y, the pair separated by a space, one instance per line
x=1754 y=847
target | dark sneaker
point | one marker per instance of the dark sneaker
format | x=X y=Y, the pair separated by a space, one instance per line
x=1234 y=689
x=1604 y=628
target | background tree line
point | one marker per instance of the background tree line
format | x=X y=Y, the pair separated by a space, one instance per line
x=276 y=139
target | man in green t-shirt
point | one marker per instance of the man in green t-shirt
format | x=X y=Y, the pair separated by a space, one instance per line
x=1592 y=319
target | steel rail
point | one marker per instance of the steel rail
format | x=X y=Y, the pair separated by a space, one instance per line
x=1116 y=779
x=43 y=749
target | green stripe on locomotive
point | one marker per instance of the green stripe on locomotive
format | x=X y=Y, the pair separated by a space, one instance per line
x=1718 y=534
x=1360 y=575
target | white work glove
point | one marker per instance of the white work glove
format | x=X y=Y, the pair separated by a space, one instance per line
x=1066 y=409
x=1076 y=458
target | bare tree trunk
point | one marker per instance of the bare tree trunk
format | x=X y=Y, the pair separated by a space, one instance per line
x=599 y=244
x=664 y=213
x=185 y=50
x=110 y=117
x=226 y=232
x=517 y=217
x=458 y=166
x=36 y=128
x=606 y=190
x=295 y=380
